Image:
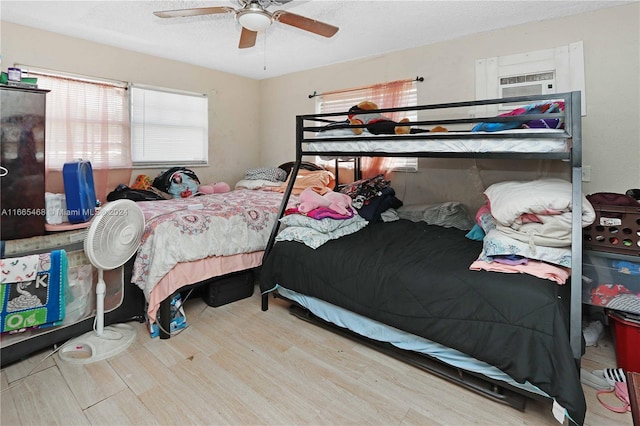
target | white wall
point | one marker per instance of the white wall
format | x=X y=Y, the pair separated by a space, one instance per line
x=233 y=107
x=611 y=130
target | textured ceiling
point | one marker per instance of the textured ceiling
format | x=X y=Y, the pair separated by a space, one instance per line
x=367 y=28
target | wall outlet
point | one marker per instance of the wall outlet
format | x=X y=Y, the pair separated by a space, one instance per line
x=586 y=173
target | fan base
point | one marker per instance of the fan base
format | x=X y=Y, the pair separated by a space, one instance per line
x=90 y=347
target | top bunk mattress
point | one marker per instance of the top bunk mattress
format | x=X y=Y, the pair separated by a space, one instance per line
x=507 y=141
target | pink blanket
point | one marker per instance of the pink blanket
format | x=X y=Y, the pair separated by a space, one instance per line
x=536 y=268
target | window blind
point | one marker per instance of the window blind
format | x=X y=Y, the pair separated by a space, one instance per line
x=168 y=128
x=86 y=118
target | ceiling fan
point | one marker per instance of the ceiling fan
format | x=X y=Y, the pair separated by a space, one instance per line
x=254 y=17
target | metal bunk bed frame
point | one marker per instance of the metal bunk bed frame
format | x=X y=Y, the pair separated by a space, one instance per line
x=572 y=134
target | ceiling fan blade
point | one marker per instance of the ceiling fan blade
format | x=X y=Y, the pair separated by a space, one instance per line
x=304 y=23
x=247 y=38
x=180 y=13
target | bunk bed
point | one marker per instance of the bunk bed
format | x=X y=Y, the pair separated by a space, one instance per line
x=517 y=337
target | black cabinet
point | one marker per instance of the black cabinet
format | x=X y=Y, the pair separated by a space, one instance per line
x=22 y=181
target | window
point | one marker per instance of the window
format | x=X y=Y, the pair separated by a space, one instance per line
x=168 y=127
x=86 y=119
x=402 y=93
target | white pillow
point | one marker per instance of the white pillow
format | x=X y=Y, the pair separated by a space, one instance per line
x=511 y=199
x=255 y=183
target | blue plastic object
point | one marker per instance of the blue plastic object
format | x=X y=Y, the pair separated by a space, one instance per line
x=79 y=190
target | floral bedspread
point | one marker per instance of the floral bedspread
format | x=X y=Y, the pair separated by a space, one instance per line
x=182 y=230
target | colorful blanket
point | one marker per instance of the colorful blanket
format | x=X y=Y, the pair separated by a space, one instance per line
x=32 y=290
x=547 y=107
x=187 y=229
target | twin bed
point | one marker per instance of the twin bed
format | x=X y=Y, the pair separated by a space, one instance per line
x=189 y=241
x=407 y=288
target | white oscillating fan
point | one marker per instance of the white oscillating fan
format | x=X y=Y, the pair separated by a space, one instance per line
x=113 y=237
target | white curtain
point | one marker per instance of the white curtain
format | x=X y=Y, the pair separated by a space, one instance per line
x=89 y=120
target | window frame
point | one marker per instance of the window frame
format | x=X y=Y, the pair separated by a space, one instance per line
x=197 y=125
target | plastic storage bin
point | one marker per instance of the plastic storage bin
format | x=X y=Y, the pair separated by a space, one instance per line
x=611 y=281
x=79 y=191
x=228 y=288
x=626 y=336
x=615 y=230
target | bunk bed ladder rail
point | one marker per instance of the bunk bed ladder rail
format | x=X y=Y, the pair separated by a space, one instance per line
x=573 y=122
x=285 y=199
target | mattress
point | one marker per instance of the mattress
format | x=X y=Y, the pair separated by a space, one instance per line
x=383 y=333
x=536 y=141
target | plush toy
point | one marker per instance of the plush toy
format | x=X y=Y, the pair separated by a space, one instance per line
x=142 y=182
x=379 y=124
x=314 y=197
x=215 y=188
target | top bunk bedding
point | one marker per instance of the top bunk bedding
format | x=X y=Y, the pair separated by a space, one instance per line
x=536 y=141
x=548 y=127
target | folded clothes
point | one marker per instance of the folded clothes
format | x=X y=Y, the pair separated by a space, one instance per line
x=536 y=268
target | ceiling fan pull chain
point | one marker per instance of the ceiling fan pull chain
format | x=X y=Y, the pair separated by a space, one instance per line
x=264 y=57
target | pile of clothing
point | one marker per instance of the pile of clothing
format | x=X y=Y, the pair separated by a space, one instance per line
x=526 y=228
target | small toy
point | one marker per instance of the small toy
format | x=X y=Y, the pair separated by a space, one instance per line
x=215 y=188
x=379 y=124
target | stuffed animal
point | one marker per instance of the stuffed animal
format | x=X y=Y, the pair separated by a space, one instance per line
x=215 y=188
x=379 y=124
x=142 y=182
x=313 y=197
x=375 y=122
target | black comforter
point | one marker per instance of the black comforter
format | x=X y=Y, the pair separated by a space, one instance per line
x=416 y=277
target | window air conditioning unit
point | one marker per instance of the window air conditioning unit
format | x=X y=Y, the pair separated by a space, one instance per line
x=541 y=83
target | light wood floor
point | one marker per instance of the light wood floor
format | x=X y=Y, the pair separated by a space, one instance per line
x=238 y=365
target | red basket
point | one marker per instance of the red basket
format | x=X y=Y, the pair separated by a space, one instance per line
x=626 y=336
x=615 y=230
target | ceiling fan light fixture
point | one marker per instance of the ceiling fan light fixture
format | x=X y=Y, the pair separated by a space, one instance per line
x=255 y=19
